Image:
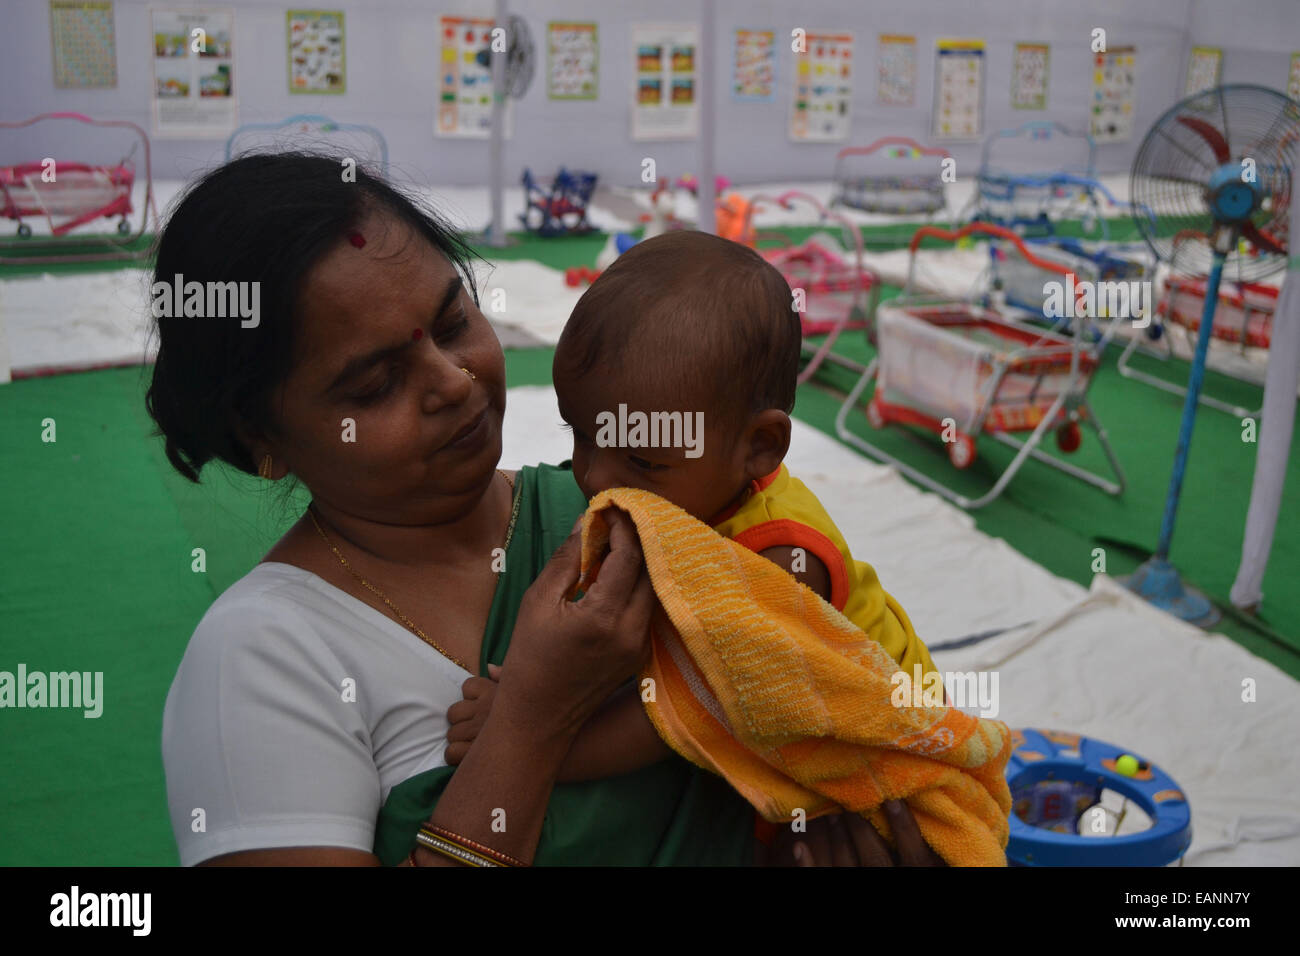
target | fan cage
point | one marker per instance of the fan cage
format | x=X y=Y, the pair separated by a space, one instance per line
x=1169 y=182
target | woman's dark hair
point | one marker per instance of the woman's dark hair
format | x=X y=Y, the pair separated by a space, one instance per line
x=266 y=219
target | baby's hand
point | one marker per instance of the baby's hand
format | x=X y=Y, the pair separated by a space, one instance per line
x=468 y=716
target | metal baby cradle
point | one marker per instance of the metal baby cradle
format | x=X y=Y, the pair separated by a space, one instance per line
x=69 y=195
x=892 y=175
x=833 y=292
x=1036 y=174
x=1243 y=318
x=958 y=369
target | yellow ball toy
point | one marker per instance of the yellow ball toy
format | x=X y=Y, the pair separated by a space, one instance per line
x=1127 y=765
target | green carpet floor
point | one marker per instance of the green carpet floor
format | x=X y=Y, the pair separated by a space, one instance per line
x=97 y=574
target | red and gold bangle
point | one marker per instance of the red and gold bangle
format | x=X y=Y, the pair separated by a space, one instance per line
x=501 y=859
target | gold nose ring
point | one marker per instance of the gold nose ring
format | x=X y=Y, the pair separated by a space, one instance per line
x=472 y=376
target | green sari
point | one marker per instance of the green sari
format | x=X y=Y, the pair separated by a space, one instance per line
x=669 y=814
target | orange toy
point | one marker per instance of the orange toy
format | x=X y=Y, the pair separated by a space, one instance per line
x=734 y=220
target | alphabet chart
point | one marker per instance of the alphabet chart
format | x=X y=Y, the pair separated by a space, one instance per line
x=958 y=90
x=823 y=88
x=896 y=70
x=1114 y=86
x=755 y=66
x=85 y=50
x=1203 y=69
x=1029 y=77
x=571 y=56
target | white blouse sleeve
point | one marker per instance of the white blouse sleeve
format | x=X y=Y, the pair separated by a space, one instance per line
x=262 y=744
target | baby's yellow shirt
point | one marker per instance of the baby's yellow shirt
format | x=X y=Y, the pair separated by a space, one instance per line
x=780 y=511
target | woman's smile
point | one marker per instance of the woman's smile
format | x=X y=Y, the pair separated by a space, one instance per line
x=472 y=436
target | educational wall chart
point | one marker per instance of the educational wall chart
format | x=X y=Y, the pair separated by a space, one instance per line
x=754 y=66
x=85 y=48
x=822 y=110
x=193 y=67
x=1293 y=81
x=1203 y=69
x=571 y=61
x=665 y=62
x=1114 y=89
x=465 y=85
x=958 y=90
x=316 y=51
x=896 y=70
x=1029 y=77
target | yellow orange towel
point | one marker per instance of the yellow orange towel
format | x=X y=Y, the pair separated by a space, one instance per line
x=762 y=682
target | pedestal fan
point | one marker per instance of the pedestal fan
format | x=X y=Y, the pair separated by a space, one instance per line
x=1213 y=173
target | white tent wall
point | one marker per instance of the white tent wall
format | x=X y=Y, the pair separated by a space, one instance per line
x=1257 y=39
x=391 y=48
x=391 y=76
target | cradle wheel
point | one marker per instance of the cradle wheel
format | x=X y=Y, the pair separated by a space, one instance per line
x=1069 y=437
x=24 y=230
x=961 y=451
x=123 y=226
x=875 y=414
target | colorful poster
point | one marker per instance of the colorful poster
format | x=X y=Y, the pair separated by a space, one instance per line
x=664 y=104
x=1203 y=69
x=1293 y=81
x=316 y=51
x=85 y=48
x=1114 y=89
x=571 y=61
x=1029 y=77
x=896 y=70
x=465 y=84
x=958 y=90
x=823 y=88
x=193 y=73
x=754 y=69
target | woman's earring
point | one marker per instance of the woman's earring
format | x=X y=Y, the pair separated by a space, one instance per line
x=472 y=376
x=264 y=469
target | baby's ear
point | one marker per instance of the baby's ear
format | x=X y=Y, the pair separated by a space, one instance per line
x=768 y=440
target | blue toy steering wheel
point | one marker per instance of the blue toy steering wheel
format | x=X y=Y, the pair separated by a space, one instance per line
x=1080 y=768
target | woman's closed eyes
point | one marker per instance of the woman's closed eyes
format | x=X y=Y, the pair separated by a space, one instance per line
x=444 y=330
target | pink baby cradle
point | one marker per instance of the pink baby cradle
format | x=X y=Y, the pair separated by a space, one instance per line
x=839 y=293
x=78 y=195
x=69 y=194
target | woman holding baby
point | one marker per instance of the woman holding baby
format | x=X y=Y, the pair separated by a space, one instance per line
x=308 y=722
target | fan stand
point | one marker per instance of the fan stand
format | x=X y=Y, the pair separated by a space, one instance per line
x=1157 y=581
x=494 y=233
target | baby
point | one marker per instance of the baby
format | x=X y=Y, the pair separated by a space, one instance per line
x=676 y=374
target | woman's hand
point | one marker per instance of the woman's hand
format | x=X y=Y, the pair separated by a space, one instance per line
x=847 y=839
x=566 y=657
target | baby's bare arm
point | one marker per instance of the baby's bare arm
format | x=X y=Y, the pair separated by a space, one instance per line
x=618 y=739
x=808 y=569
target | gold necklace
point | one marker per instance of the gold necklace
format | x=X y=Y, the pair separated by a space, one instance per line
x=406 y=621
